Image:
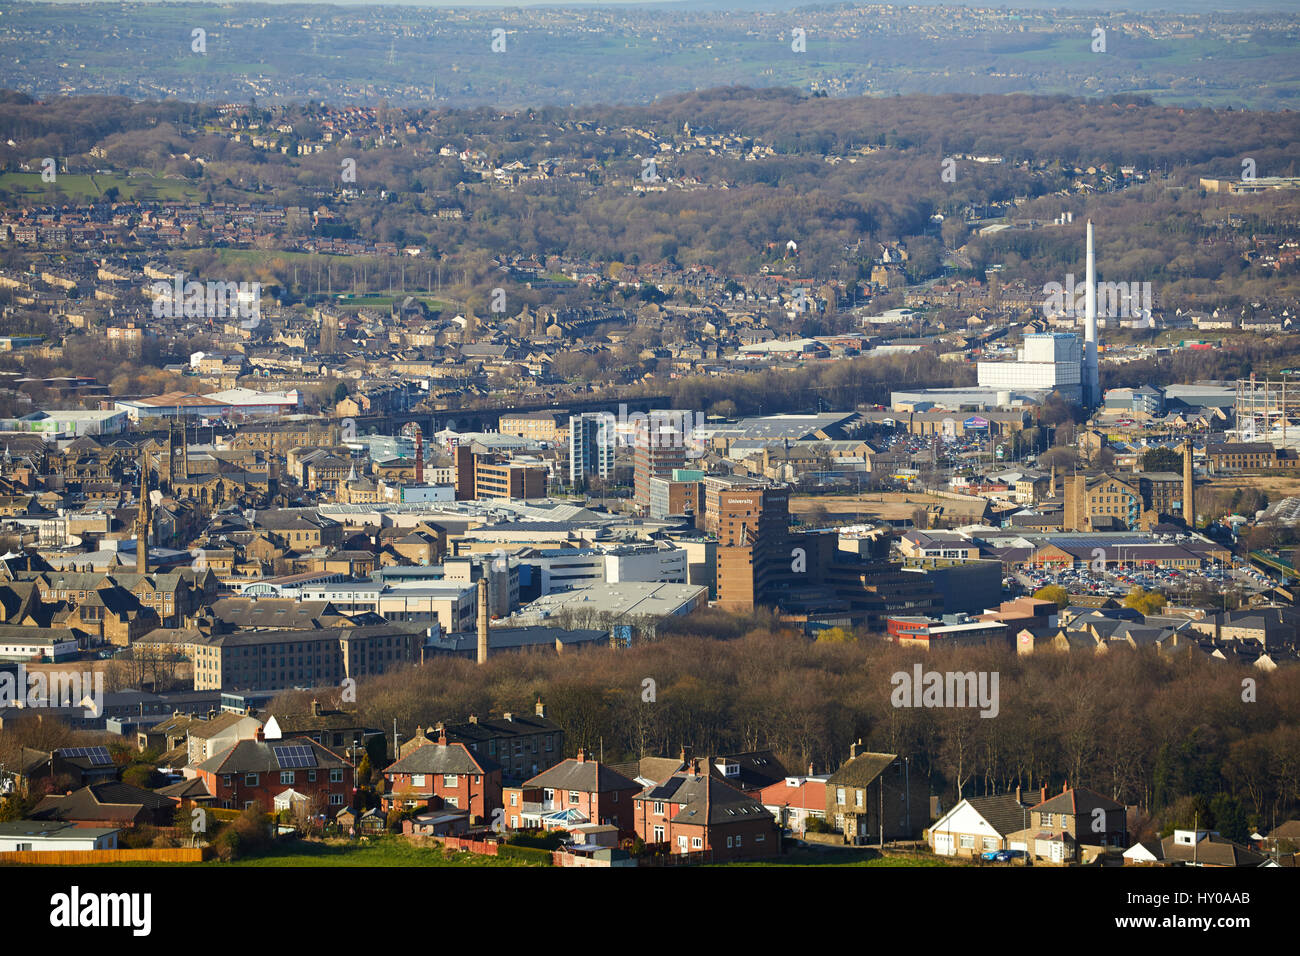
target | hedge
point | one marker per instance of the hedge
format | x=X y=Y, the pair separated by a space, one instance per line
x=526 y=854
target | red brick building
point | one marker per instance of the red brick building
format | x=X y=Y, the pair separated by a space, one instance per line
x=442 y=774
x=693 y=812
x=573 y=788
x=253 y=773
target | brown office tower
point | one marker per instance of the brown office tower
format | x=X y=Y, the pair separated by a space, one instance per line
x=755 y=559
x=464 y=473
x=659 y=447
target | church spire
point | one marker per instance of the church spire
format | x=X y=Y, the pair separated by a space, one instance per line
x=142 y=520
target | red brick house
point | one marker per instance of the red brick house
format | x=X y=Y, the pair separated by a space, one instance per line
x=444 y=775
x=574 y=791
x=252 y=773
x=695 y=812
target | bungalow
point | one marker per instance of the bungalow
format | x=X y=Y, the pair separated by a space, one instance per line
x=1193 y=848
x=794 y=801
x=979 y=824
x=113 y=804
x=44 y=835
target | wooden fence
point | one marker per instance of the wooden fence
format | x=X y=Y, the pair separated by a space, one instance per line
x=88 y=857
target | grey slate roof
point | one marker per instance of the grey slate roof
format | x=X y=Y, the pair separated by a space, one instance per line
x=443 y=758
x=589 y=776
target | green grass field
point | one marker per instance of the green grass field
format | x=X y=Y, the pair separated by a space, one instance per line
x=381 y=851
x=88 y=187
x=846 y=857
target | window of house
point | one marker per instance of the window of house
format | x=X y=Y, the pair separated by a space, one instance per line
x=861 y=797
x=728 y=842
x=574 y=796
x=250 y=780
x=839 y=795
x=449 y=780
x=967 y=842
x=417 y=780
x=336 y=776
x=336 y=799
x=659 y=807
x=286 y=776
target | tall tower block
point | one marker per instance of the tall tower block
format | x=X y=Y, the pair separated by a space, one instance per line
x=1091 y=375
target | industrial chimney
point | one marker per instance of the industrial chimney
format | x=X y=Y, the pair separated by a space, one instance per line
x=482 y=620
x=1091 y=377
x=1189 y=487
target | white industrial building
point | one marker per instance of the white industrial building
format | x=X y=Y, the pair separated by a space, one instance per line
x=1048 y=360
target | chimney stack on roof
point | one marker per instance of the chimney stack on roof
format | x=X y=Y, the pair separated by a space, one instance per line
x=540 y=709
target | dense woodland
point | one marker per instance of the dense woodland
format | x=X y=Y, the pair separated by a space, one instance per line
x=1170 y=736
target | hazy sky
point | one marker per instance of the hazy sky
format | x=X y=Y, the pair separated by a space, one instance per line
x=1186 y=6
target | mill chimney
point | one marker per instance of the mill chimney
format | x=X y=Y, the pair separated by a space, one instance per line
x=482 y=620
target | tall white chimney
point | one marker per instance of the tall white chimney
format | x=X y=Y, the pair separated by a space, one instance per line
x=1091 y=377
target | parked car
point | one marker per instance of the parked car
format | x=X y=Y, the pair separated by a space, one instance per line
x=990 y=854
x=1006 y=856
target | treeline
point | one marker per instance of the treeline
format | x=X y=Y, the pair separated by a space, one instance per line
x=842 y=384
x=1142 y=729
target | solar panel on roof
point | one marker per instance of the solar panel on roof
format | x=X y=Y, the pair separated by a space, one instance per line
x=294 y=756
x=98 y=756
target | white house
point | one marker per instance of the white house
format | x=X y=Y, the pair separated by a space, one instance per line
x=45 y=835
x=980 y=824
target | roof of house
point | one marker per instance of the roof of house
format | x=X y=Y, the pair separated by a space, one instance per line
x=705 y=800
x=1002 y=811
x=579 y=773
x=443 y=758
x=757 y=769
x=192 y=789
x=259 y=756
x=1213 y=850
x=657 y=769
x=109 y=801
x=1075 y=801
x=219 y=724
x=861 y=770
